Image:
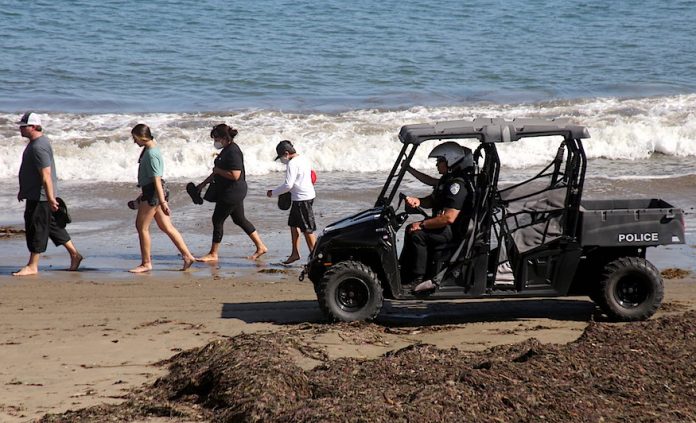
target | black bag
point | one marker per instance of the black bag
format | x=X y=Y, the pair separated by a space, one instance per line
x=61 y=215
x=211 y=194
x=284 y=201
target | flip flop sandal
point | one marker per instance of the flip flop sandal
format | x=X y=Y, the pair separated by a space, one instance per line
x=193 y=193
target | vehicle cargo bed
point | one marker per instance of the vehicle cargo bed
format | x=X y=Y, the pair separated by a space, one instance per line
x=631 y=222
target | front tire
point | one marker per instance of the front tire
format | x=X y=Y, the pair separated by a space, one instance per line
x=631 y=289
x=350 y=291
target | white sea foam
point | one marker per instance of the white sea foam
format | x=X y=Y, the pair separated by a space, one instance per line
x=98 y=146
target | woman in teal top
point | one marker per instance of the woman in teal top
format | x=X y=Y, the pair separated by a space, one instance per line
x=152 y=203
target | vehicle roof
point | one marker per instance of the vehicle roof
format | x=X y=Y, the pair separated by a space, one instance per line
x=491 y=130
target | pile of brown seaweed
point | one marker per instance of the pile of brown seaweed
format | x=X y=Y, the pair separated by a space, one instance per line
x=614 y=372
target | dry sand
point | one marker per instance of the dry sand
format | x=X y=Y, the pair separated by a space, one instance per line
x=68 y=341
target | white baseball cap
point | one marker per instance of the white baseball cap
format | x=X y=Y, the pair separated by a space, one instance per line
x=30 y=119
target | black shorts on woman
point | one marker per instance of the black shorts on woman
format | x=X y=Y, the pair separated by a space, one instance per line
x=149 y=193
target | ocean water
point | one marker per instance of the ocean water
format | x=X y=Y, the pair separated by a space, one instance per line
x=211 y=55
x=338 y=79
x=645 y=137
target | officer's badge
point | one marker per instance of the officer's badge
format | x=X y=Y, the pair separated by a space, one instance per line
x=454 y=188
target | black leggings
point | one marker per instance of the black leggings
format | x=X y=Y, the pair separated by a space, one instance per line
x=236 y=210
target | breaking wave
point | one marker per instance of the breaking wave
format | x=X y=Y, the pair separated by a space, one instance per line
x=98 y=147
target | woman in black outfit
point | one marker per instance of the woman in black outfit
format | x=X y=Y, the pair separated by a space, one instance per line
x=231 y=188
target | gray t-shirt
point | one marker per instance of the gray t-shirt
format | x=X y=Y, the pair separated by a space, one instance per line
x=37 y=155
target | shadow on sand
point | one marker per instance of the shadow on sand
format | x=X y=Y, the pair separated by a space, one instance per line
x=401 y=313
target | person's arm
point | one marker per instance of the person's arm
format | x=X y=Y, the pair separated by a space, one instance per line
x=229 y=163
x=205 y=182
x=42 y=158
x=447 y=217
x=422 y=177
x=159 y=191
x=47 y=182
x=290 y=178
x=426 y=202
x=233 y=175
x=457 y=194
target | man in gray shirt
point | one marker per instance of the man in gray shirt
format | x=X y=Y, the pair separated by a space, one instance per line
x=38 y=186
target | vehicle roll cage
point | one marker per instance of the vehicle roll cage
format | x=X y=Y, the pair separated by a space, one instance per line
x=489 y=131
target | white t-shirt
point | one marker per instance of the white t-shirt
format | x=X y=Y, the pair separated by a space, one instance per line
x=298 y=180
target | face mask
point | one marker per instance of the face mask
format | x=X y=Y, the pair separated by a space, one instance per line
x=284 y=160
x=218 y=145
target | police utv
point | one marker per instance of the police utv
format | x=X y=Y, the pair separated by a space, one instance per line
x=537 y=238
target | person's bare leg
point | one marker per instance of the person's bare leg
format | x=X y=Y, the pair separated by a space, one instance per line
x=311 y=240
x=142 y=223
x=164 y=222
x=31 y=268
x=212 y=256
x=75 y=256
x=295 y=240
x=260 y=246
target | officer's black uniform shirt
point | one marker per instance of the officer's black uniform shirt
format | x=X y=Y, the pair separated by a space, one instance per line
x=453 y=192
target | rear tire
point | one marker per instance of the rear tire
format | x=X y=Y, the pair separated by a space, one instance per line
x=631 y=289
x=350 y=291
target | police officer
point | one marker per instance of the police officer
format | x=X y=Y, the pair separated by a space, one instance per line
x=452 y=195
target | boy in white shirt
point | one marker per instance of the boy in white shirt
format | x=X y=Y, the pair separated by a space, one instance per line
x=298 y=181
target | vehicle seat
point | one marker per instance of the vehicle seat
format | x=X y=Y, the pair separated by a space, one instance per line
x=440 y=254
x=536 y=220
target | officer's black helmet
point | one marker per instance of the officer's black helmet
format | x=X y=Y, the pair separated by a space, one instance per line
x=458 y=158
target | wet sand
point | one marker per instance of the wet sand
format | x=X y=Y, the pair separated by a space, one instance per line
x=71 y=340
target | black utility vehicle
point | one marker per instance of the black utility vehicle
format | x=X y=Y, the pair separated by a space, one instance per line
x=537 y=238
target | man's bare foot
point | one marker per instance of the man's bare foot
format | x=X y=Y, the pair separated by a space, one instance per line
x=259 y=252
x=141 y=269
x=208 y=257
x=75 y=262
x=293 y=258
x=188 y=262
x=25 y=271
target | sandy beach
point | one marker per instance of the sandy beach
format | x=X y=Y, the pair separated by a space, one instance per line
x=73 y=340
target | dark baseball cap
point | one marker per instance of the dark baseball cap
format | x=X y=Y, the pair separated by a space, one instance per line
x=283 y=147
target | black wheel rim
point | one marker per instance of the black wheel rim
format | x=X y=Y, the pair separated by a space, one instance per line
x=632 y=290
x=352 y=294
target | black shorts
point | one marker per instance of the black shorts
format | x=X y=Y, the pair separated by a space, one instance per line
x=150 y=194
x=40 y=225
x=302 y=216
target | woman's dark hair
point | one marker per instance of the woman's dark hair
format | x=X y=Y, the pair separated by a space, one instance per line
x=224 y=132
x=142 y=132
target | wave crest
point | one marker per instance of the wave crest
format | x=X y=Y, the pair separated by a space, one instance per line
x=98 y=146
